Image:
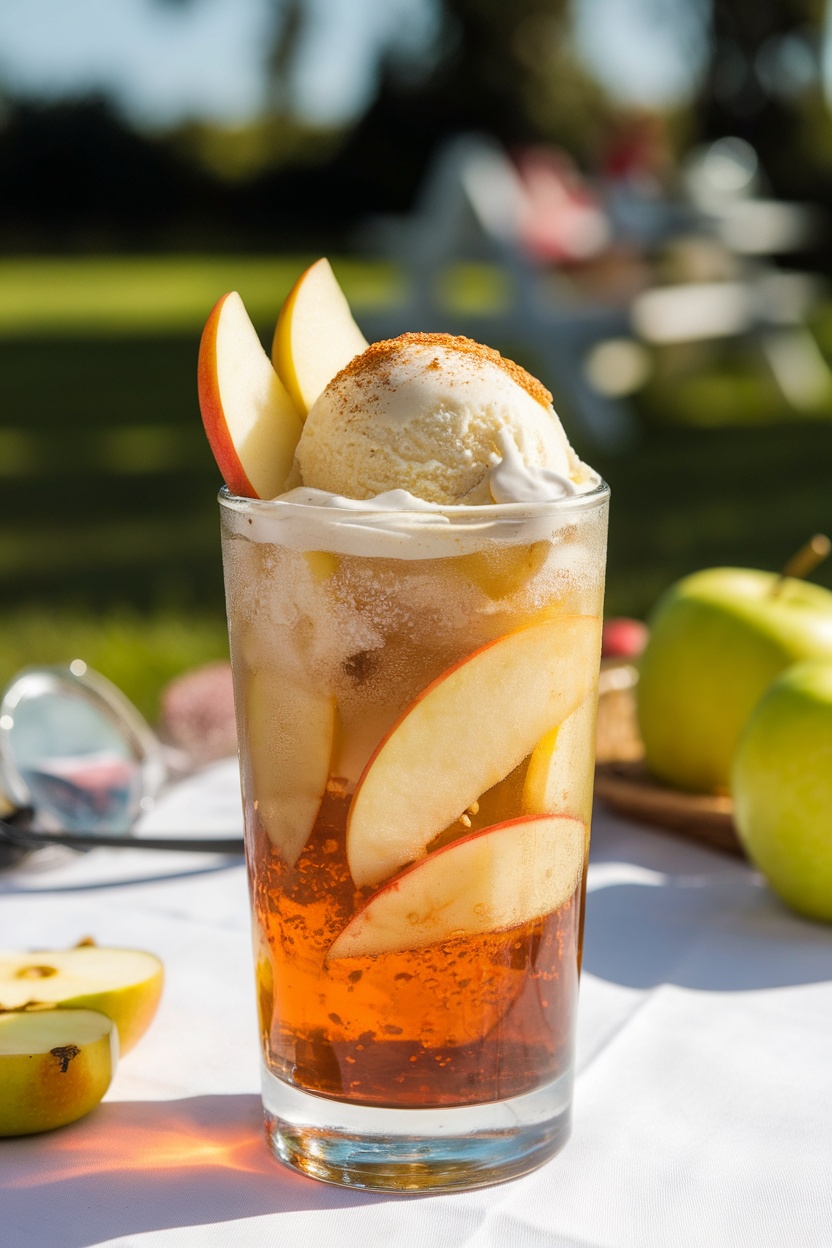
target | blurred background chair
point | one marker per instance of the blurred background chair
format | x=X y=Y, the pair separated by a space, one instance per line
x=734 y=288
x=475 y=204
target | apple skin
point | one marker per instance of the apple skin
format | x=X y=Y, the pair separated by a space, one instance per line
x=717 y=640
x=490 y=880
x=487 y=712
x=782 y=787
x=55 y=1066
x=250 y=421
x=123 y=984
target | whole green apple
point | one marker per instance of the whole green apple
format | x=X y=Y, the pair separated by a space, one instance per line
x=717 y=640
x=782 y=787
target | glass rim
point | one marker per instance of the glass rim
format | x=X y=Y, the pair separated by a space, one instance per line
x=459 y=513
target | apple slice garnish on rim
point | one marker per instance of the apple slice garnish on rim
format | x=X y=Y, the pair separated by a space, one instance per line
x=463 y=734
x=252 y=425
x=290 y=731
x=491 y=880
x=315 y=336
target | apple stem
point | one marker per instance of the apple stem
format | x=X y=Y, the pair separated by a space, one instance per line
x=804 y=561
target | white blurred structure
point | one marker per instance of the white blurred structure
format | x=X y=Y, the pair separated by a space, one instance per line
x=473 y=206
x=754 y=299
x=594 y=351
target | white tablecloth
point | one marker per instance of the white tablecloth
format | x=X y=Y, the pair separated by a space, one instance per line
x=703 y=1107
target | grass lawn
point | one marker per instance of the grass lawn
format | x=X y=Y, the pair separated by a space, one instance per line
x=109 y=546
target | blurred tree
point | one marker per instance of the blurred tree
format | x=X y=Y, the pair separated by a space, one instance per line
x=510 y=69
x=764 y=82
x=506 y=68
x=292 y=19
x=75 y=176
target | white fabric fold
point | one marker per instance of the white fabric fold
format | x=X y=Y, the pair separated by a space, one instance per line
x=703 y=1106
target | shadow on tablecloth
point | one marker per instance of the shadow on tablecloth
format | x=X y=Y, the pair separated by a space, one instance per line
x=661 y=910
x=133 y=1167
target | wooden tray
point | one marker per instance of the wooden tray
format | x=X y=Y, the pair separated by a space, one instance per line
x=625 y=784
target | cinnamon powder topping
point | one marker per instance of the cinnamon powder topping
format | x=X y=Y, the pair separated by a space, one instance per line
x=387 y=351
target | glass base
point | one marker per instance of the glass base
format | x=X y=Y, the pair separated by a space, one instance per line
x=415 y=1150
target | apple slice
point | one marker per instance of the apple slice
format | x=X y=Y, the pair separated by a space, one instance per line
x=315 y=336
x=462 y=735
x=560 y=774
x=322 y=564
x=55 y=1066
x=291 y=734
x=123 y=984
x=491 y=880
x=251 y=422
x=503 y=570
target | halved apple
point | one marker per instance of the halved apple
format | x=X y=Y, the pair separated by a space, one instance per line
x=123 y=984
x=315 y=336
x=55 y=1066
x=560 y=774
x=491 y=880
x=291 y=731
x=251 y=422
x=462 y=735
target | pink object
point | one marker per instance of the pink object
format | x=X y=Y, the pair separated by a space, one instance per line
x=197 y=713
x=561 y=219
x=623 y=638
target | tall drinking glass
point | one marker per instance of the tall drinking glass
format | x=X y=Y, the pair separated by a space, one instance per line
x=416 y=697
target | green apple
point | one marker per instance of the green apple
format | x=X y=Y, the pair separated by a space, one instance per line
x=717 y=640
x=55 y=1066
x=123 y=984
x=782 y=787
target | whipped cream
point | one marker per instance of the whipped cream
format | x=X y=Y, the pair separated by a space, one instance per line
x=512 y=480
x=530 y=505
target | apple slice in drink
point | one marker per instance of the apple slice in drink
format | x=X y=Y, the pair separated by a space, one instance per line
x=503 y=570
x=462 y=735
x=316 y=335
x=291 y=734
x=55 y=1066
x=559 y=778
x=123 y=984
x=491 y=880
x=251 y=422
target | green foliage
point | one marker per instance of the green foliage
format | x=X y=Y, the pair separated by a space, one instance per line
x=241 y=153
x=140 y=653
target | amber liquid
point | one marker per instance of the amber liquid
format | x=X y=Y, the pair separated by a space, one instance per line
x=469 y=1019
x=473 y=1019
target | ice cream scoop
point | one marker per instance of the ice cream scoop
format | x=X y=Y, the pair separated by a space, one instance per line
x=434 y=415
